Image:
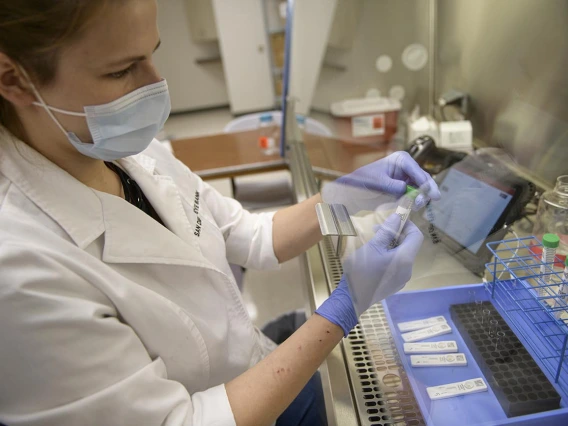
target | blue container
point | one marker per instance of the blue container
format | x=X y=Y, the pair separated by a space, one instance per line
x=468 y=410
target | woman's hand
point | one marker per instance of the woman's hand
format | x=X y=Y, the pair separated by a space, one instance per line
x=381 y=182
x=372 y=273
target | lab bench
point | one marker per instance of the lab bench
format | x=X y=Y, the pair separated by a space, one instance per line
x=368 y=379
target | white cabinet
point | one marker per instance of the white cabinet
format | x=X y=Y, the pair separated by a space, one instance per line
x=192 y=86
x=245 y=54
x=310 y=33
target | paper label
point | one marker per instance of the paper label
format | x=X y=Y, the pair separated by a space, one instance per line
x=368 y=125
x=418 y=324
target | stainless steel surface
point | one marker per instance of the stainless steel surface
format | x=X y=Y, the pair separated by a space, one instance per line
x=379 y=384
x=339 y=403
x=363 y=380
x=511 y=57
x=335 y=220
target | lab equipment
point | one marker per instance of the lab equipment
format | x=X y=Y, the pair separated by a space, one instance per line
x=444 y=347
x=514 y=376
x=552 y=214
x=366 y=121
x=457 y=389
x=471 y=296
x=456 y=136
x=481 y=198
x=478 y=308
x=562 y=291
x=419 y=324
x=497 y=341
x=484 y=408
x=493 y=328
x=426 y=333
x=457 y=360
x=485 y=317
x=431 y=158
x=403 y=211
x=334 y=220
x=550 y=243
x=517 y=299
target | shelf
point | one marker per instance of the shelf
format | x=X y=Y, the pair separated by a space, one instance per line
x=210 y=60
x=336 y=67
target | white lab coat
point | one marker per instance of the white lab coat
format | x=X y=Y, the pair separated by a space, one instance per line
x=106 y=316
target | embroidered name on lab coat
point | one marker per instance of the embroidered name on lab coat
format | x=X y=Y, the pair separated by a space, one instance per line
x=197 y=232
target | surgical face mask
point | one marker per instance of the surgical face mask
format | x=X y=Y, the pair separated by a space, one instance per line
x=121 y=128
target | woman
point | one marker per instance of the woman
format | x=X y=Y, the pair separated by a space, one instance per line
x=117 y=304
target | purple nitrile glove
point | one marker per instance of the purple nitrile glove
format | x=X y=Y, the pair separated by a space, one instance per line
x=338 y=308
x=372 y=273
x=381 y=182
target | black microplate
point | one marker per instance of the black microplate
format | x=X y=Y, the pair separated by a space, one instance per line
x=516 y=379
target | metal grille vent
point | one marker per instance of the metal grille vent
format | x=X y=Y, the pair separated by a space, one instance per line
x=380 y=386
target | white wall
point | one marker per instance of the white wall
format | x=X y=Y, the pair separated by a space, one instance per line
x=192 y=86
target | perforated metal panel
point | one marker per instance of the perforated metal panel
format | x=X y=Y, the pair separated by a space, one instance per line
x=380 y=386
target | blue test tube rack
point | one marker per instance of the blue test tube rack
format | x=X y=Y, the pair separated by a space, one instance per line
x=530 y=303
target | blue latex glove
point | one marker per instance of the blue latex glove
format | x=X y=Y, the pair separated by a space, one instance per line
x=372 y=273
x=380 y=183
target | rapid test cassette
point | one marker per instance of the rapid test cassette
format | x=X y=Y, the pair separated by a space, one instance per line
x=445 y=347
x=420 y=324
x=456 y=389
x=426 y=333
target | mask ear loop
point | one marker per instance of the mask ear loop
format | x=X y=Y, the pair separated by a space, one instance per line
x=47 y=108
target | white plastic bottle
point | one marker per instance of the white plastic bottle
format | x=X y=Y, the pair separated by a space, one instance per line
x=550 y=243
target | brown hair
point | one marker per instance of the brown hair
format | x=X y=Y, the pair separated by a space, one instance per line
x=33 y=32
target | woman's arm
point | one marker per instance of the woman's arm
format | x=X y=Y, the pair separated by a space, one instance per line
x=261 y=394
x=296 y=229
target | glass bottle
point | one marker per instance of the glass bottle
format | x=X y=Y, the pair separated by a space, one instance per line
x=552 y=214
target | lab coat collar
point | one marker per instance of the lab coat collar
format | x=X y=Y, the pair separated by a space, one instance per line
x=85 y=214
x=73 y=205
x=174 y=245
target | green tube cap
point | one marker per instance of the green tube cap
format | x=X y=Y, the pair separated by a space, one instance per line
x=550 y=240
x=411 y=192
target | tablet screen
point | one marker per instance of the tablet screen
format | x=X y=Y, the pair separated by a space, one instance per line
x=470 y=207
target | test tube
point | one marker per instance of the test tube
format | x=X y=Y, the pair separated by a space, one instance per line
x=498 y=341
x=549 y=244
x=478 y=308
x=485 y=317
x=493 y=328
x=403 y=210
x=562 y=291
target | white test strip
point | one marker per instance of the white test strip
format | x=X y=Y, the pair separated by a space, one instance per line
x=426 y=333
x=420 y=324
x=457 y=389
x=444 y=347
x=450 y=360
